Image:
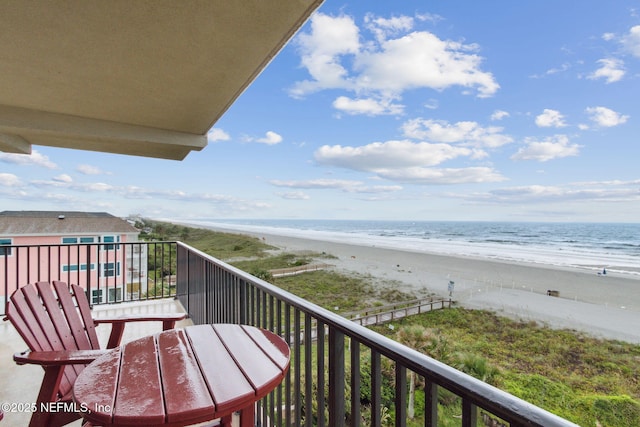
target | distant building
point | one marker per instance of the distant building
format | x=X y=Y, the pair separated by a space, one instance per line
x=91 y=254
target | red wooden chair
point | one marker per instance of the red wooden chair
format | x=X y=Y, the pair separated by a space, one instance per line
x=56 y=324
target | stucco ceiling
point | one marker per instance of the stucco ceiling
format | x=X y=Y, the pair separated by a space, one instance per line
x=144 y=77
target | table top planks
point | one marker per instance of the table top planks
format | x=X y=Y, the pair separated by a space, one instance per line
x=182 y=376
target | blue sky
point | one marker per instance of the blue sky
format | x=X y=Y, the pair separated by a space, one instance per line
x=441 y=110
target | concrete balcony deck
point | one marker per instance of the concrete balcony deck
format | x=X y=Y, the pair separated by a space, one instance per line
x=20 y=384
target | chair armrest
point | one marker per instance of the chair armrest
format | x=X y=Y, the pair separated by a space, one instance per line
x=57 y=358
x=141 y=318
x=117 y=323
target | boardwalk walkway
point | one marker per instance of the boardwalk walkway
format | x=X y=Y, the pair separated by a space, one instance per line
x=293 y=271
x=380 y=315
x=370 y=316
x=384 y=314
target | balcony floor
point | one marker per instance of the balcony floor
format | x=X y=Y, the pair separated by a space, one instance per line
x=20 y=384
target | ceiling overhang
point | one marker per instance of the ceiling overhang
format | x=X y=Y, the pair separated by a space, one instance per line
x=145 y=77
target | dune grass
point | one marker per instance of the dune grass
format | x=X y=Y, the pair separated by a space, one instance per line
x=583 y=379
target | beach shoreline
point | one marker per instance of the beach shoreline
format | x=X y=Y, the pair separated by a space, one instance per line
x=605 y=306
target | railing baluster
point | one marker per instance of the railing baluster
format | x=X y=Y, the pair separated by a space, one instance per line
x=430 y=404
x=469 y=413
x=336 y=378
x=376 y=387
x=287 y=384
x=296 y=363
x=401 y=395
x=320 y=354
x=264 y=310
x=308 y=370
x=355 y=382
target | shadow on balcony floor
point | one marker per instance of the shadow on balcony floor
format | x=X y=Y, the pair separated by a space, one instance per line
x=20 y=384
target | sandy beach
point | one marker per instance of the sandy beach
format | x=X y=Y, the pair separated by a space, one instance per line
x=606 y=306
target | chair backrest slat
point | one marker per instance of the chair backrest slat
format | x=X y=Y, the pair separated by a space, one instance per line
x=71 y=315
x=54 y=321
x=20 y=323
x=39 y=320
x=56 y=317
x=84 y=311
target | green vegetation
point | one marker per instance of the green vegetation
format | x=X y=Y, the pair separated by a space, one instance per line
x=588 y=381
x=224 y=246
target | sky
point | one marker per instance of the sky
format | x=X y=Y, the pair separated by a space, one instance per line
x=405 y=110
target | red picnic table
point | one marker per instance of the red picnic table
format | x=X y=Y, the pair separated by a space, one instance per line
x=183 y=376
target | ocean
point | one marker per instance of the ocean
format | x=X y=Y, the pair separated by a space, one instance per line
x=594 y=246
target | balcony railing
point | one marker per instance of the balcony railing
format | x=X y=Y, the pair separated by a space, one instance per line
x=110 y=272
x=341 y=374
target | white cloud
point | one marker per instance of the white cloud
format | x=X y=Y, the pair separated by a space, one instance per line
x=317 y=183
x=407 y=161
x=551 y=148
x=397 y=60
x=631 y=41
x=101 y=187
x=321 y=50
x=499 y=115
x=33 y=159
x=596 y=191
x=422 y=60
x=294 y=195
x=89 y=170
x=51 y=183
x=608 y=36
x=217 y=134
x=9 y=180
x=466 y=133
x=431 y=104
x=64 y=178
x=383 y=28
x=224 y=203
x=388 y=155
x=605 y=117
x=435 y=176
x=429 y=17
x=335 y=184
x=535 y=190
x=550 y=118
x=612 y=70
x=65 y=181
x=367 y=106
x=377 y=189
x=271 y=138
x=551 y=71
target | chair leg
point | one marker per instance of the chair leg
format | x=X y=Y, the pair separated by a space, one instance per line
x=48 y=395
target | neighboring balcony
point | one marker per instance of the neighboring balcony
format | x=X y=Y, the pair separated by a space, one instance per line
x=339 y=374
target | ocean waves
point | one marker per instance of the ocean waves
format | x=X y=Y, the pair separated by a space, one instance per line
x=594 y=246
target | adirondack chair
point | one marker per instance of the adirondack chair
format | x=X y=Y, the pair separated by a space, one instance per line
x=56 y=324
